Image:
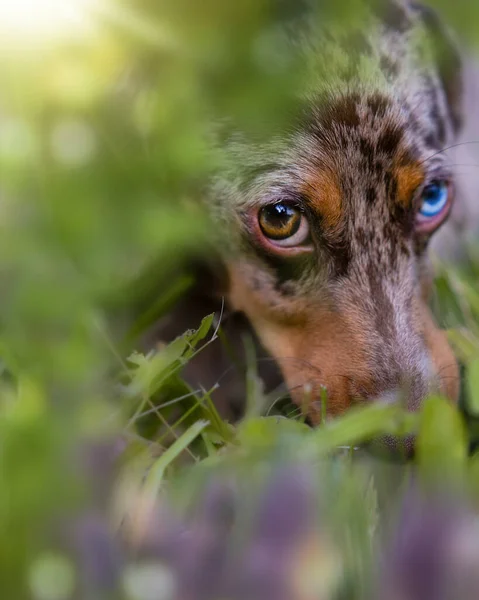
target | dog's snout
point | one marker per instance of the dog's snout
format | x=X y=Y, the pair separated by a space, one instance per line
x=344 y=345
x=411 y=385
x=397 y=374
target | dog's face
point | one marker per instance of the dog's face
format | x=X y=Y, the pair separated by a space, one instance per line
x=331 y=230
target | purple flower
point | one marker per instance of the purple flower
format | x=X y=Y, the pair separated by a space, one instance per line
x=428 y=551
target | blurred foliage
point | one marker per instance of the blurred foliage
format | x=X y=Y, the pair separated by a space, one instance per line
x=104 y=159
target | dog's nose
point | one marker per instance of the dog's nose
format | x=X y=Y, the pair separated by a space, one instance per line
x=390 y=447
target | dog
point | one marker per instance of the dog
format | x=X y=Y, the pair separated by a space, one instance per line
x=323 y=233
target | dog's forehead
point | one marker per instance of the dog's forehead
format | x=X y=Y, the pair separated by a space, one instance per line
x=368 y=123
x=353 y=142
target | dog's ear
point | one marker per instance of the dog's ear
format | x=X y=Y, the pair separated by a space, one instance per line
x=448 y=60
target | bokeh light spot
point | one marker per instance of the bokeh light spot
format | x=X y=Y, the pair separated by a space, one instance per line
x=52 y=577
x=32 y=21
x=17 y=141
x=149 y=581
x=73 y=143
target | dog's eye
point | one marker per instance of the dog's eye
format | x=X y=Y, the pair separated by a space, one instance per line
x=434 y=199
x=435 y=203
x=284 y=224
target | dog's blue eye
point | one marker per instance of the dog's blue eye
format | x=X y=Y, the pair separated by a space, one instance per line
x=434 y=199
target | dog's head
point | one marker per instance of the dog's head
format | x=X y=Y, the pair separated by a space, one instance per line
x=328 y=228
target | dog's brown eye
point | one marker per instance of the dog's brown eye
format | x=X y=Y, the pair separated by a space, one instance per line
x=283 y=223
x=279 y=221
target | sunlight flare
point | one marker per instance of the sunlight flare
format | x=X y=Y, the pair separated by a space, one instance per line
x=32 y=21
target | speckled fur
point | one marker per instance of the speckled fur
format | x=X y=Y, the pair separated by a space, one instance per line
x=380 y=104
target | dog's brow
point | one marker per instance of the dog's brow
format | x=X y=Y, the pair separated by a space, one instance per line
x=322 y=188
x=409 y=178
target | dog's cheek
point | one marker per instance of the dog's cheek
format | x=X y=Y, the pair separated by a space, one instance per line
x=445 y=363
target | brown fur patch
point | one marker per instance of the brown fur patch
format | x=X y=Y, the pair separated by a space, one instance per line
x=323 y=190
x=409 y=178
x=343 y=112
x=314 y=345
x=322 y=352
